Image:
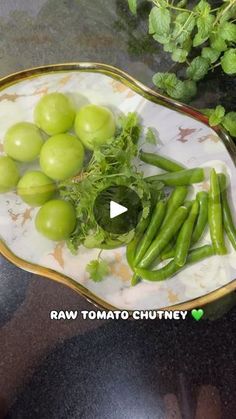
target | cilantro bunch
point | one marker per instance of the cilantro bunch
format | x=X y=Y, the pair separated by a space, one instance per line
x=111 y=164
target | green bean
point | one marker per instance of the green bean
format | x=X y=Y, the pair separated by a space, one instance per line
x=215 y=215
x=164 y=237
x=132 y=245
x=160 y=161
x=183 y=177
x=151 y=232
x=202 y=198
x=172 y=268
x=185 y=235
x=227 y=216
x=176 y=199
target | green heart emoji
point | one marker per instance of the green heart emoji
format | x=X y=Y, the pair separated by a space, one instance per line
x=197 y=314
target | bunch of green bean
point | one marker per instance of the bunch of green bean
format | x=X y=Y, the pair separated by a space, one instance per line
x=176 y=225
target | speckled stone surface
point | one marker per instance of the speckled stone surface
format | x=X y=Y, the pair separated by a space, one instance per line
x=98 y=369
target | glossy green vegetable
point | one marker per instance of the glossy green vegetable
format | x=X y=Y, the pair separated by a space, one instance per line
x=23 y=142
x=54 y=113
x=156 y=220
x=62 y=157
x=56 y=220
x=227 y=216
x=160 y=161
x=94 y=125
x=183 y=177
x=9 y=174
x=202 y=198
x=164 y=236
x=185 y=236
x=172 y=268
x=35 y=188
x=215 y=215
x=176 y=199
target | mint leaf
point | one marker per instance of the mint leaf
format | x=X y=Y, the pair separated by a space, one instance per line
x=217 y=42
x=207 y=111
x=204 y=25
x=211 y=54
x=164 y=80
x=198 y=68
x=228 y=61
x=179 y=55
x=162 y=39
x=159 y=21
x=203 y=8
x=133 y=6
x=228 y=31
x=190 y=89
x=183 y=27
x=97 y=269
x=217 y=116
x=229 y=122
x=151 y=137
x=169 y=47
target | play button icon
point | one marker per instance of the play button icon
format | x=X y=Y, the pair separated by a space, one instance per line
x=117 y=209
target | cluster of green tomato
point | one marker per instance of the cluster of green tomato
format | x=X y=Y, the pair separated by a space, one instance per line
x=61 y=157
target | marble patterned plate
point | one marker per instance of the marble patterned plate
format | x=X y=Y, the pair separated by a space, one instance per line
x=183 y=135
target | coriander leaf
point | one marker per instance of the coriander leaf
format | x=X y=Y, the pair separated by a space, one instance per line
x=151 y=137
x=227 y=31
x=198 y=68
x=217 y=116
x=229 y=122
x=97 y=269
x=211 y=54
x=228 y=61
x=133 y=6
x=217 y=42
x=159 y=21
x=179 y=55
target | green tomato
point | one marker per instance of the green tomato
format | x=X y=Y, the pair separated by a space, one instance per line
x=56 y=220
x=54 y=113
x=9 y=174
x=23 y=142
x=35 y=188
x=94 y=125
x=62 y=156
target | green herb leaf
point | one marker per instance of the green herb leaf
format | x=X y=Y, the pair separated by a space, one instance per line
x=203 y=8
x=228 y=31
x=204 y=25
x=198 y=68
x=151 y=137
x=179 y=55
x=169 y=47
x=183 y=27
x=217 y=42
x=211 y=54
x=190 y=90
x=228 y=61
x=162 y=39
x=159 y=21
x=97 y=270
x=229 y=122
x=217 y=116
x=207 y=111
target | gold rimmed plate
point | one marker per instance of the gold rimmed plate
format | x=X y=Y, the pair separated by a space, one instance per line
x=184 y=135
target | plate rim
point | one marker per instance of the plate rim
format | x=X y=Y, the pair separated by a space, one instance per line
x=155 y=97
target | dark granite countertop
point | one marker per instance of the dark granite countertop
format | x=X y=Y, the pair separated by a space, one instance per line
x=104 y=369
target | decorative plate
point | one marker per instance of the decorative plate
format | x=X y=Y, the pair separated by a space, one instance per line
x=183 y=135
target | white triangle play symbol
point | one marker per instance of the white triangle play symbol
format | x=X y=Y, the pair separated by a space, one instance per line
x=116 y=209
